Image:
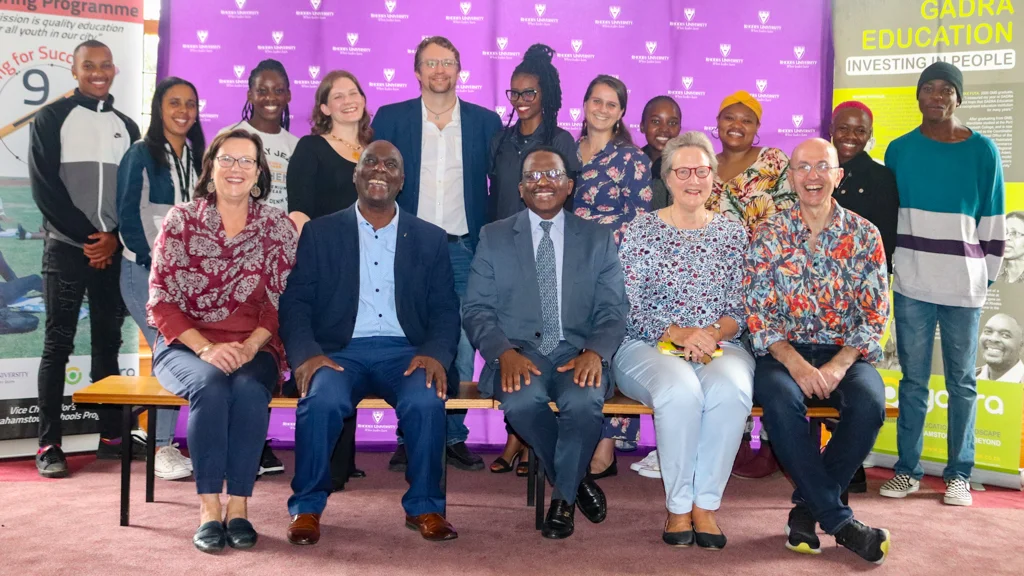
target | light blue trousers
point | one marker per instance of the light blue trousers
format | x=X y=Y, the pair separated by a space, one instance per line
x=699 y=415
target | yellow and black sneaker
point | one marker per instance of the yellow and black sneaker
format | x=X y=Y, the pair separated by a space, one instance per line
x=871 y=544
x=800 y=534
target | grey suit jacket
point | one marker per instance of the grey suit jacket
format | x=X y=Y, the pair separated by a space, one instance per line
x=502 y=309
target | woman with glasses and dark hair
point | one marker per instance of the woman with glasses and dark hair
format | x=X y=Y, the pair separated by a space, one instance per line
x=157 y=173
x=613 y=187
x=682 y=357
x=536 y=97
x=219 y=267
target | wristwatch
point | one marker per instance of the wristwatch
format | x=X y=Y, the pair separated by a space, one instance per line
x=718 y=327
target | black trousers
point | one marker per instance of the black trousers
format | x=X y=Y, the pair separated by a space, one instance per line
x=67 y=278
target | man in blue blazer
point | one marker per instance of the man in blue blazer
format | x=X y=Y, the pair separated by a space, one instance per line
x=547 y=308
x=384 y=323
x=445 y=145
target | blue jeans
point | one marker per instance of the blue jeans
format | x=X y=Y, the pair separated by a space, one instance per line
x=461 y=254
x=372 y=366
x=228 y=416
x=820 y=478
x=915 y=340
x=135 y=291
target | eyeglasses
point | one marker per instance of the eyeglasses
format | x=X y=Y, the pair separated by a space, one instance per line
x=446 y=63
x=528 y=95
x=805 y=170
x=245 y=163
x=684 y=172
x=534 y=176
x=1014 y=235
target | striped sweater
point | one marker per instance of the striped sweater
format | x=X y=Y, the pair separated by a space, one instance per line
x=950 y=236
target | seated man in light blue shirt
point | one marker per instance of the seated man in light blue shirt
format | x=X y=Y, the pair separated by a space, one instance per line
x=546 y=306
x=386 y=324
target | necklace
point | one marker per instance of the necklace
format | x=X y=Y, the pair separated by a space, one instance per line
x=437 y=115
x=356 y=149
x=672 y=217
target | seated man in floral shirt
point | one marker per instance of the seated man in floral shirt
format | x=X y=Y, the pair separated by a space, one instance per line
x=817 y=303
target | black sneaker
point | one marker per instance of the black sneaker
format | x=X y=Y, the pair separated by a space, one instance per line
x=51 y=463
x=801 y=537
x=460 y=457
x=871 y=544
x=269 y=463
x=399 y=460
x=111 y=450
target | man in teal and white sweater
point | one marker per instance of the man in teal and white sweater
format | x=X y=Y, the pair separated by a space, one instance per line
x=949 y=248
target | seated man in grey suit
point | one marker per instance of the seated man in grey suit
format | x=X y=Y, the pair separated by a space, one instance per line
x=546 y=307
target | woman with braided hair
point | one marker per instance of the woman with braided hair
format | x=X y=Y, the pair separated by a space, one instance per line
x=536 y=97
x=265 y=114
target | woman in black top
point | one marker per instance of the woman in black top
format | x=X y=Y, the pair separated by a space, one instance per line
x=321 y=168
x=660 y=122
x=320 y=183
x=868 y=188
x=536 y=97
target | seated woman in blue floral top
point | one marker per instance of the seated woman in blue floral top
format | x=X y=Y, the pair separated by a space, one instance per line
x=683 y=267
x=613 y=187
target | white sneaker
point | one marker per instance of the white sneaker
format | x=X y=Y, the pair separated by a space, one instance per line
x=652 y=457
x=958 y=493
x=652 y=469
x=899 y=486
x=170 y=464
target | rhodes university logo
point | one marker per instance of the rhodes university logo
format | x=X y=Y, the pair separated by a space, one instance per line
x=500 y=111
x=390 y=6
x=761 y=85
x=798 y=51
x=378 y=415
x=502 y=42
x=352 y=38
x=278 y=36
x=689 y=13
x=615 y=11
x=725 y=49
x=202 y=35
x=239 y=70
x=466 y=7
x=574 y=113
x=764 y=15
x=540 y=9
x=687 y=82
x=314 y=71
x=798 y=120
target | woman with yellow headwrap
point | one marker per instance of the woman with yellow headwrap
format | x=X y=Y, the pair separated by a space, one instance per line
x=751 y=182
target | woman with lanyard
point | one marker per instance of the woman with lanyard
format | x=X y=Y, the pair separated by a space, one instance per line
x=158 y=172
x=535 y=94
x=750 y=186
x=320 y=183
x=266 y=115
x=613 y=187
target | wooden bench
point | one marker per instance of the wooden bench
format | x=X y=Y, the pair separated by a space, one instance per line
x=134 y=393
x=145 y=393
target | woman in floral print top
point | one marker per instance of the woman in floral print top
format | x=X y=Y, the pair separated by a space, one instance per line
x=613 y=187
x=615 y=182
x=751 y=184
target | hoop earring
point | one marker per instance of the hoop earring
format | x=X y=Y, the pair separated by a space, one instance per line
x=211 y=188
x=757 y=139
x=714 y=133
x=255 y=192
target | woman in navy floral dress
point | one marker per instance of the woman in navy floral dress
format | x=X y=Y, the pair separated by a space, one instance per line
x=613 y=187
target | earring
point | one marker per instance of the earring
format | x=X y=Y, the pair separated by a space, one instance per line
x=757 y=139
x=211 y=188
x=255 y=192
x=714 y=132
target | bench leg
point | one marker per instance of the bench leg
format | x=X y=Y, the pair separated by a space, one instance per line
x=126 y=461
x=150 y=451
x=539 y=495
x=531 y=478
x=444 y=468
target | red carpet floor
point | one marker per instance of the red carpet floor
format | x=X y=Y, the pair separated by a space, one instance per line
x=71 y=527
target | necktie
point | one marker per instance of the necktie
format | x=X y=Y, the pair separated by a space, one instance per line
x=548 y=282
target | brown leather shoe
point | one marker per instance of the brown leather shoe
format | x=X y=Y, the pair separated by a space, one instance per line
x=432 y=527
x=304 y=529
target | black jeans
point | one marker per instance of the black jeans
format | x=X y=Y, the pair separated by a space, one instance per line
x=67 y=277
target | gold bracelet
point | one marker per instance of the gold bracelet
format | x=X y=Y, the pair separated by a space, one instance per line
x=204 y=349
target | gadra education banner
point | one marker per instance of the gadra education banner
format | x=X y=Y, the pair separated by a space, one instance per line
x=881 y=48
x=37 y=41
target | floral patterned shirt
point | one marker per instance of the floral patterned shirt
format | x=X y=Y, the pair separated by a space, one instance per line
x=757 y=193
x=614 y=187
x=836 y=294
x=223 y=287
x=681 y=277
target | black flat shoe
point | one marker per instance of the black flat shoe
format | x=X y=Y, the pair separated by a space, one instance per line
x=210 y=537
x=357 y=473
x=399 y=460
x=241 y=534
x=611 y=470
x=559 y=523
x=680 y=539
x=709 y=541
x=591 y=501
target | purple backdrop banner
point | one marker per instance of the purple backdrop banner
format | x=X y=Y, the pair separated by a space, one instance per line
x=696 y=51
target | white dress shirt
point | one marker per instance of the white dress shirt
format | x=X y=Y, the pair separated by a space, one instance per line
x=557 y=234
x=1015 y=374
x=441 y=190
